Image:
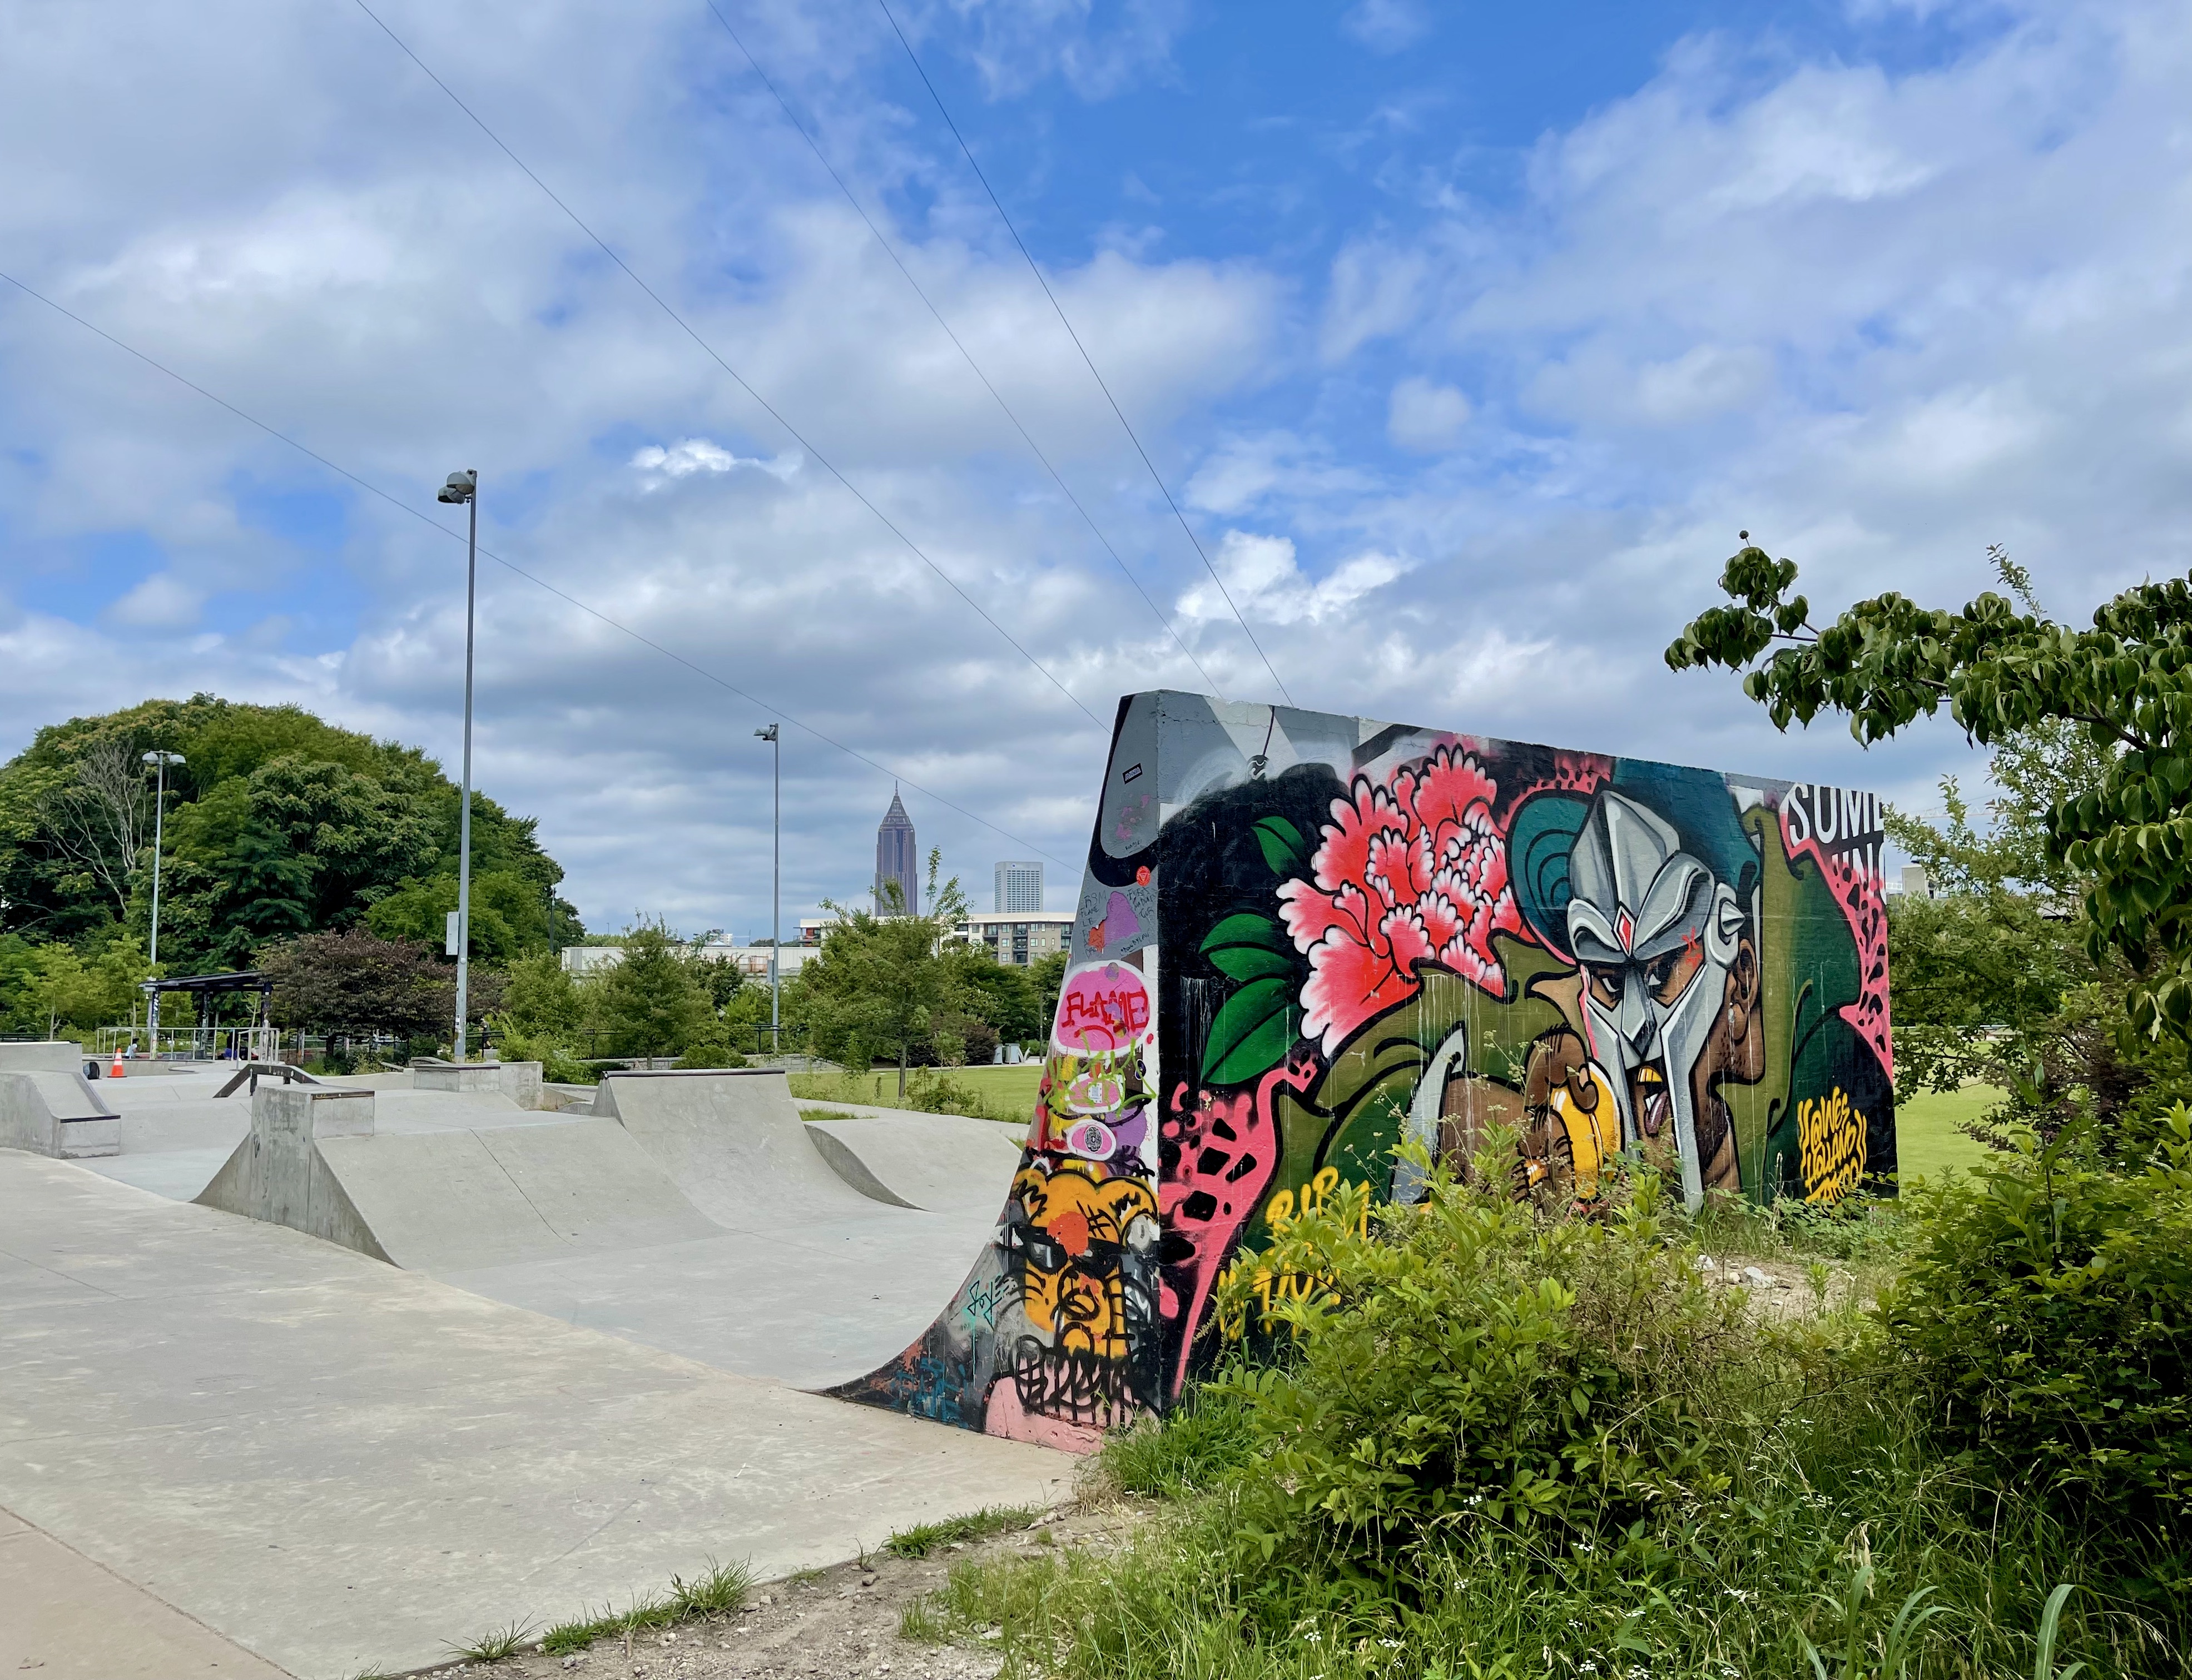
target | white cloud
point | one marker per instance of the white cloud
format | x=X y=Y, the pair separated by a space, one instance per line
x=1426 y=417
x=162 y=601
x=1377 y=290
x=1265 y=583
x=659 y=465
x=1386 y=25
x=1880 y=319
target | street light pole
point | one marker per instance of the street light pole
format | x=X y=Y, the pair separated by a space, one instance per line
x=464 y=487
x=162 y=760
x=775 y=885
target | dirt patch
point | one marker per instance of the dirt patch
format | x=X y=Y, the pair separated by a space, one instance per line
x=829 y=1625
x=1781 y=1288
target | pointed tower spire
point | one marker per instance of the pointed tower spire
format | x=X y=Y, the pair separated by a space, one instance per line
x=897 y=857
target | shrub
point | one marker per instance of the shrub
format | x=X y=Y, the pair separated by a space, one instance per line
x=1468 y=1361
x=715 y=1052
x=2045 y=1311
x=560 y=1062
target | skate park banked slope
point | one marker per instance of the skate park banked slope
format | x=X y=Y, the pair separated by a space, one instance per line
x=343 y=1465
x=691 y=1212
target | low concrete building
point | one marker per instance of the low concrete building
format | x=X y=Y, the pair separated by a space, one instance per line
x=751 y=960
x=1018 y=938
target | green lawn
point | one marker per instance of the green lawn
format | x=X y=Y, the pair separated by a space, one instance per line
x=1925 y=1135
x=1926 y=1141
x=1007 y=1093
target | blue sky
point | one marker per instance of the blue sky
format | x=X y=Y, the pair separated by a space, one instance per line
x=1467 y=338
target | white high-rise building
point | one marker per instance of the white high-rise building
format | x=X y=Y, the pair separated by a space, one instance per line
x=1019 y=888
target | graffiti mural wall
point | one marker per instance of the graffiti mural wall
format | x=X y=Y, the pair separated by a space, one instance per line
x=1303 y=939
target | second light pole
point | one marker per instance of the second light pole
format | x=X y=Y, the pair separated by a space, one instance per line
x=464 y=487
x=775 y=885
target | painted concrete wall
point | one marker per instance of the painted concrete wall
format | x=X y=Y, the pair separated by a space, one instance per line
x=1304 y=938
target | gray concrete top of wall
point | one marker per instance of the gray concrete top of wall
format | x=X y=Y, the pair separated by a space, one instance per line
x=312 y=1111
x=520 y=1081
x=42 y=1056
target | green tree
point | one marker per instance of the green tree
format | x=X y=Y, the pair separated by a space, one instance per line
x=353 y=984
x=543 y=998
x=652 y=1003
x=53 y=990
x=884 y=982
x=1003 y=997
x=2002 y=673
x=1048 y=974
x=278 y=822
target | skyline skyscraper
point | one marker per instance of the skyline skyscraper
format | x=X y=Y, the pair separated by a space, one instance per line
x=898 y=858
x=1019 y=887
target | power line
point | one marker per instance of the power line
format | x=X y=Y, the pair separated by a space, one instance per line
x=372 y=488
x=1037 y=270
x=891 y=251
x=714 y=356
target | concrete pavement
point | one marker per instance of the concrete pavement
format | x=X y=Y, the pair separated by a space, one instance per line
x=335 y=1463
x=64 y=1618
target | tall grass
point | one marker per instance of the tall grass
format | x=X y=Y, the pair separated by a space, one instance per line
x=1803 y=1519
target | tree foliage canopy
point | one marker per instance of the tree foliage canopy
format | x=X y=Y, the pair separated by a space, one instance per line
x=277 y=824
x=885 y=983
x=352 y=983
x=2004 y=670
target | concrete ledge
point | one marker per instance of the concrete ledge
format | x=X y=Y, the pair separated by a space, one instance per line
x=519 y=1081
x=42 y=1056
x=54 y=1112
x=88 y=1138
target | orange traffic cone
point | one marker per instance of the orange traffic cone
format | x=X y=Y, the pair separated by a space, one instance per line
x=117 y=1073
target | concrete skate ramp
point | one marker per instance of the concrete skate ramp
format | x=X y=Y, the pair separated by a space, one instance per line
x=450 y=1200
x=734 y=1141
x=802 y=1279
x=940 y=1162
x=175 y=1148
x=54 y=1112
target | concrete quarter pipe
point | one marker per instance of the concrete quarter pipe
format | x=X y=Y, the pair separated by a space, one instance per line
x=1303 y=939
x=692 y=1211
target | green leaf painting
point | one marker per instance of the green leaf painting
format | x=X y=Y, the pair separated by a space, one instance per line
x=1245 y=928
x=1284 y=849
x=1251 y=962
x=1253 y=1031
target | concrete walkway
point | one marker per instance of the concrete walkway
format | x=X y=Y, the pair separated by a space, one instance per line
x=64 y=1618
x=336 y=1464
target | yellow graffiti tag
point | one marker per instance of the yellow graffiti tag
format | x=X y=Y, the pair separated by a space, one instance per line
x=1830 y=1146
x=1280 y=1212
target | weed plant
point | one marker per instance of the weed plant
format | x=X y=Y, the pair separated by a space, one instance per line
x=923 y=1538
x=717 y=1591
x=1480 y=1441
x=496 y=1644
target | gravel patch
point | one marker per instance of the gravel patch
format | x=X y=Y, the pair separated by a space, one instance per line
x=829 y=1625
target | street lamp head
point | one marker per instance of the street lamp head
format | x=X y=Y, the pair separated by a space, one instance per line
x=163 y=758
x=768 y=734
x=460 y=488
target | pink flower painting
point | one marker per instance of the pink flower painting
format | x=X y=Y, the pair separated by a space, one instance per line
x=1411 y=873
